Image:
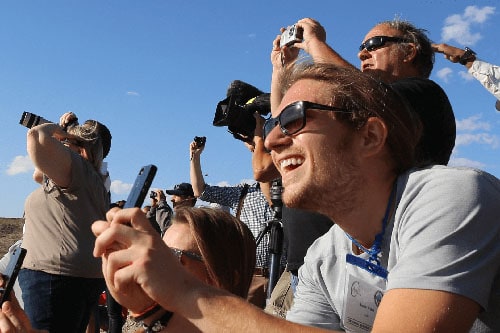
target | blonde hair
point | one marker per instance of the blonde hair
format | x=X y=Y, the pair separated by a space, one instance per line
x=91 y=138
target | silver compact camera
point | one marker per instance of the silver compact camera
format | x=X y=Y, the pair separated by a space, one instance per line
x=291 y=35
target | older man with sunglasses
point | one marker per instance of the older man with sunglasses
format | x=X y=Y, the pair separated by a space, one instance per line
x=390 y=51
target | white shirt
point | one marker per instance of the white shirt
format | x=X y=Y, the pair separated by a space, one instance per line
x=489 y=76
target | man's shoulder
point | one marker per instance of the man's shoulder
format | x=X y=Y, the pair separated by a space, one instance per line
x=448 y=177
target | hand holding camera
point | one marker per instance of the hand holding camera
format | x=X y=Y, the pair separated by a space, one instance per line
x=197 y=146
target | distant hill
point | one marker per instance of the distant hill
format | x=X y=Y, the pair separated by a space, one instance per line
x=11 y=229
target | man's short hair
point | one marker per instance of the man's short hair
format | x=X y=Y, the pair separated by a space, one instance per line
x=424 y=59
x=366 y=97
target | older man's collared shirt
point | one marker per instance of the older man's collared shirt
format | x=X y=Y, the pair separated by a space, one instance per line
x=255 y=212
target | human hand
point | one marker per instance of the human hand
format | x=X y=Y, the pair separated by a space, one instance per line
x=451 y=53
x=282 y=56
x=69 y=118
x=138 y=266
x=195 y=150
x=14 y=319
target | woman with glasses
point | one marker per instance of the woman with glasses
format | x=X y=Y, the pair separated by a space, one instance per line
x=60 y=279
x=215 y=247
x=210 y=244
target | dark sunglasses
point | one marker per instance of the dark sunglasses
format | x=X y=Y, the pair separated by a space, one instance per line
x=179 y=253
x=378 y=41
x=293 y=117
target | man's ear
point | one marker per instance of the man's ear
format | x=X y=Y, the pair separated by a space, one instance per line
x=374 y=136
x=410 y=52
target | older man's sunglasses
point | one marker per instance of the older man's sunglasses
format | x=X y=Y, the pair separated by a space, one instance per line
x=378 y=41
x=293 y=117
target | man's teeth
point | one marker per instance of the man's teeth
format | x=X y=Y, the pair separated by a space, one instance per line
x=291 y=161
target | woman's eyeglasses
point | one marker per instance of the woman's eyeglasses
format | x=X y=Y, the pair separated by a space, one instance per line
x=293 y=117
x=378 y=41
x=179 y=253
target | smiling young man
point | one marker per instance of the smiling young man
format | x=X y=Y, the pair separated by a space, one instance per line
x=343 y=142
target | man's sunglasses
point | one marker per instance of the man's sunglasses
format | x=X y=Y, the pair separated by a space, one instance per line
x=378 y=41
x=293 y=117
x=179 y=253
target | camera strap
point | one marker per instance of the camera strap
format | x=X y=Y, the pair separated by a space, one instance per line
x=243 y=194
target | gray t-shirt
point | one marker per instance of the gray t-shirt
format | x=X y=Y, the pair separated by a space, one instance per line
x=445 y=235
x=58 y=237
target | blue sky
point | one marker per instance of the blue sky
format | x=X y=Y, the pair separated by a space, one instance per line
x=153 y=72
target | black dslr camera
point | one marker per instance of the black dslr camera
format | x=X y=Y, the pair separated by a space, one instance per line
x=237 y=109
x=30 y=120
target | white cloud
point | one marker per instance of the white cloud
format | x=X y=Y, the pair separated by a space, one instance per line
x=457 y=27
x=466 y=76
x=478 y=15
x=477 y=138
x=20 y=164
x=252 y=35
x=119 y=187
x=223 y=183
x=133 y=93
x=473 y=124
x=444 y=74
x=463 y=162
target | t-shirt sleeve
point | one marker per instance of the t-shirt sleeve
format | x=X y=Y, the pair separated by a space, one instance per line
x=447 y=238
x=310 y=305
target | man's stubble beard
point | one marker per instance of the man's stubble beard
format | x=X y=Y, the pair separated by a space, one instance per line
x=332 y=189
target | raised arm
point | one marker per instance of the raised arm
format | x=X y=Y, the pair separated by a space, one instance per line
x=48 y=154
x=197 y=180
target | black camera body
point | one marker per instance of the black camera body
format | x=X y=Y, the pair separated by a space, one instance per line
x=291 y=35
x=200 y=141
x=237 y=110
x=30 y=120
x=152 y=194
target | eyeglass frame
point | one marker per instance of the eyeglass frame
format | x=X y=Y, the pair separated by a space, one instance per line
x=304 y=106
x=192 y=255
x=383 y=41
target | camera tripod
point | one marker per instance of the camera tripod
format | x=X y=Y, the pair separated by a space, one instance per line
x=275 y=229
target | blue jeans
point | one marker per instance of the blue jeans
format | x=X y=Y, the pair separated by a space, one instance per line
x=59 y=303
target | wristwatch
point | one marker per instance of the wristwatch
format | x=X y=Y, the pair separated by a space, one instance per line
x=468 y=55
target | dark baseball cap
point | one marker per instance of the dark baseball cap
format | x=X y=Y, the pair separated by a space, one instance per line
x=182 y=189
x=497 y=105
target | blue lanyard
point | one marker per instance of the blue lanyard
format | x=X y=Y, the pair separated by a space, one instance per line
x=373 y=263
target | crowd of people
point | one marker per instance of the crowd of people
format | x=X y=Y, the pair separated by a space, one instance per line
x=380 y=234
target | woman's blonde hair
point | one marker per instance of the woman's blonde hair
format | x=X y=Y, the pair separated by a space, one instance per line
x=95 y=139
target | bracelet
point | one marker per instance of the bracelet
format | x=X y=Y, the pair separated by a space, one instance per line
x=159 y=324
x=146 y=312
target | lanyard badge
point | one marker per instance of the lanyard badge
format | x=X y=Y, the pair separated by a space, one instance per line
x=365 y=282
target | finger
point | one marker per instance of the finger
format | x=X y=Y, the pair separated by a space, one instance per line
x=131 y=216
x=13 y=320
x=98 y=227
x=112 y=238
